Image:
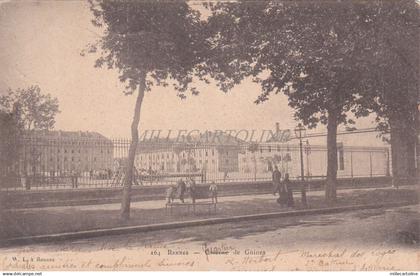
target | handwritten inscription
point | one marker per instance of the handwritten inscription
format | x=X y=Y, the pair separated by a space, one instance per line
x=221 y=255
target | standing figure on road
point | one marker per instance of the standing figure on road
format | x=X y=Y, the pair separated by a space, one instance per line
x=213 y=192
x=276 y=177
x=119 y=176
x=192 y=189
x=73 y=176
x=170 y=194
x=109 y=172
x=279 y=187
x=288 y=185
x=225 y=175
x=181 y=189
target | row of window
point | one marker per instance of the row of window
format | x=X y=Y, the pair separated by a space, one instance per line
x=90 y=143
x=78 y=151
x=145 y=164
x=157 y=156
x=74 y=151
x=72 y=159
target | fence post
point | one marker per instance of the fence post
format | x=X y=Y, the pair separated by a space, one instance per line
x=370 y=163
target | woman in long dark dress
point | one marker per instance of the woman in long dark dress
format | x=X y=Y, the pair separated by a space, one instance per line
x=288 y=185
x=281 y=188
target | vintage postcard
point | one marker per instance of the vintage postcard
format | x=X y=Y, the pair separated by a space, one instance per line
x=149 y=135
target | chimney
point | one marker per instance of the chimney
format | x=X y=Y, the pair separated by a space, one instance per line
x=277 y=129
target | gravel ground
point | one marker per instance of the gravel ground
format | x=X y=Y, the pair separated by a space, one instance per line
x=38 y=221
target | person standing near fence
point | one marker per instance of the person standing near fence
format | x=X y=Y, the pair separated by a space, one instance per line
x=192 y=188
x=181 y=189
x=276 y=176
x=288 y=186
x=279 y=187
x=170 y=194
x=225 y=175
x=109 y=171
x=213 y=192
x=74 y=179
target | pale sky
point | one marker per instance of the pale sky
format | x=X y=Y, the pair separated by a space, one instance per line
x=41 y=44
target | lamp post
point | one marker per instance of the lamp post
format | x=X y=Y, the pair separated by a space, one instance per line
x=300 y=133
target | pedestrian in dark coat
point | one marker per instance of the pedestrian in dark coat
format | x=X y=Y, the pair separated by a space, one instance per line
x=74 y=175
x=170 y=194
x=288 y=185
x=181 y=189
x=276 y=178
x=282 y=190
x=279 y=187
x=213 y=192
x=192 y=189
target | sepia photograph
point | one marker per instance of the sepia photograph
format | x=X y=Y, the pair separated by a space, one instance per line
x=195 y=135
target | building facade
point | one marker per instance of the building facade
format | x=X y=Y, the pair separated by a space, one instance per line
x=351 y=161
x=60 y=152
x=194 y=158
x=197 y=155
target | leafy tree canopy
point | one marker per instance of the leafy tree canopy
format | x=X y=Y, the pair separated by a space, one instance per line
x=321 y=54
x=32 y=109
x=156 y=40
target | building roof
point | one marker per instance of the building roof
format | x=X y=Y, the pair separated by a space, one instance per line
x=55 y=134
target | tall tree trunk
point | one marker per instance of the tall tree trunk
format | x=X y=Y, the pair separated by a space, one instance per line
x=412 y=130
x=128 y=180
x=411 y=154
x=417 y=139
x=398 y=152
x=403 y=143
x=330 y=187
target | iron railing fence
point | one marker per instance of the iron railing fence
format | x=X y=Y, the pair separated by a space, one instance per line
x=44 y=163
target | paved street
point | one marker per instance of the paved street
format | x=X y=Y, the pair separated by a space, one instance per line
x=54 y=220
x=384 y=232
x=159 y=204
x=359 y=228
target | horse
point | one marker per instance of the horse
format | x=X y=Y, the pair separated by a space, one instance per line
x=181 y=192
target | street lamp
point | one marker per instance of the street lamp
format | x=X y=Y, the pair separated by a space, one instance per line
x=300 y=132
